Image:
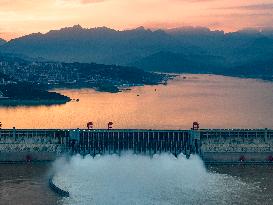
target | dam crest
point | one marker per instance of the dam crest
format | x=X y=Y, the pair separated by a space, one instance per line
x=212 y=145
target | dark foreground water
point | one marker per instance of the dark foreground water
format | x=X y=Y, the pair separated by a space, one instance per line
x=25 y=184
x=132 y=179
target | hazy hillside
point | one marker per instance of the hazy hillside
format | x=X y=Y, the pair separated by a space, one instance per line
x=186 y=49
x=179 y=62
x=242 y=53
x=2 y=41
x=100 y=45
x=53 y=74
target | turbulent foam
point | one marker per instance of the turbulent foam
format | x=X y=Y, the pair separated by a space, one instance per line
x=136 y=179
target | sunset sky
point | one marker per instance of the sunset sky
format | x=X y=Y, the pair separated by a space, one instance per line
x=20 y=17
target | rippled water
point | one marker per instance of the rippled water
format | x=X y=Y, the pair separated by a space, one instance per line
x=162 y=179
x=214 y=101
x=22 y=184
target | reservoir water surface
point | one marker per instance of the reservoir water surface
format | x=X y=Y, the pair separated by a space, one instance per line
x=213 y=101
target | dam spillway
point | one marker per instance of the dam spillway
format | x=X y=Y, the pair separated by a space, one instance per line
x=212 y=145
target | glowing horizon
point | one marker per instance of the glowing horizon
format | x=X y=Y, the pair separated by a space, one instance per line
x=21 y=17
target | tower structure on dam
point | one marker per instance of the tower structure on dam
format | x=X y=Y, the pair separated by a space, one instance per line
x=212 y=145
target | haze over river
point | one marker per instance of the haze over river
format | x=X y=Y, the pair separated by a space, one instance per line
x=214 y=101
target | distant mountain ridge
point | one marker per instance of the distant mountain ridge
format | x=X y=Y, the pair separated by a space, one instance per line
x=2 y=41
x=188 y=49
x=99 y=45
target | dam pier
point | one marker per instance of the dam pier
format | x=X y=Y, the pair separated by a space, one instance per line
x=228 y=146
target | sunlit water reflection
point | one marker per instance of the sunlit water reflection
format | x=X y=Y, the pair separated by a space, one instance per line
x=214 y=101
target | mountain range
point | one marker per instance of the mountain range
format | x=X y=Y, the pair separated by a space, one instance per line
x=189 y=49
x=2 y=42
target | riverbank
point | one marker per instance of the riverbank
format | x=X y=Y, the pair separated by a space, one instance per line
x=154 y=78
x=23 y=93
x=14 y=102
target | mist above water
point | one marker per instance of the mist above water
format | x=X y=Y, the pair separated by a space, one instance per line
x=136 y=179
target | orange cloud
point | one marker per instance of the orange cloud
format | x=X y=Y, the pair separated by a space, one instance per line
x=82 y=1
x=23 y=17
x=91 y=1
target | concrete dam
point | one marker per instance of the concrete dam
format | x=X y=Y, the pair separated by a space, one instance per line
x=212 y=145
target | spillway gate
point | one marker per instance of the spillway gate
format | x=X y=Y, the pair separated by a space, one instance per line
x=137 y=141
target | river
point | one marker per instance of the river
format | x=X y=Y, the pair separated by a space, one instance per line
x=214 y=101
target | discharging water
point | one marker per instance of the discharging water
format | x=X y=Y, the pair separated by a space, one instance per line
x=142 y=180
x=136 y=180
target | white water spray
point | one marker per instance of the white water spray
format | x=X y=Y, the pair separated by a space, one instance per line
x=136 y=179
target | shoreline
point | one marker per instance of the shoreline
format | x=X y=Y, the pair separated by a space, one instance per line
x=263 y=78
x=18 y=102
x=114 y=88
x=8 y=102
